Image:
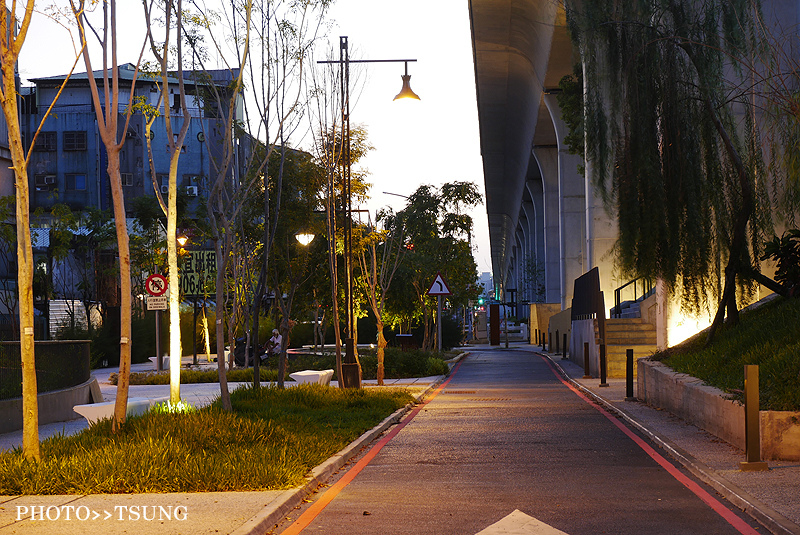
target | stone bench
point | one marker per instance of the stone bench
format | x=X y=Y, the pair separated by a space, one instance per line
x=97 y=411
x=164 y=361
x=322 y=377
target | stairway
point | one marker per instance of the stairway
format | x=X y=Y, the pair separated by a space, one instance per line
x=623 y=334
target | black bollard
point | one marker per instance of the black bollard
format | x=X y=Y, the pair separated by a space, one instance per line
x=586 y=373
x=564 y=354
x=557 y=338
x=544 y=342
x=537 y=337
x=629 y=376
x=603 y=371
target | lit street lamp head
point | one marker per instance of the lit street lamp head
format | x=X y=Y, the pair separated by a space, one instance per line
x=304 y=238
x=406 y=91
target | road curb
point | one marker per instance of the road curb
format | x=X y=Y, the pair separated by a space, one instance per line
x=268 y=517
x=765 y=515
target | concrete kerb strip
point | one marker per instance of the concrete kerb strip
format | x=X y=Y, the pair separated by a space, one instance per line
x=288 y=500
x=765 y=515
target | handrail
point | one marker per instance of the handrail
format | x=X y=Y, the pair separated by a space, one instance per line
x=647 y=287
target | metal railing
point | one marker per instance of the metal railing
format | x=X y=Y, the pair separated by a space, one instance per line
x=59 y=364
x=646 y=286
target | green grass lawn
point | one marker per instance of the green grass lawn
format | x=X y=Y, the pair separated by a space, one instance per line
x=768 y=336
x=271 y=440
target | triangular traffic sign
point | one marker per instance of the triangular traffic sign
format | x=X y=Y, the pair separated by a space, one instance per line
x=439 y=286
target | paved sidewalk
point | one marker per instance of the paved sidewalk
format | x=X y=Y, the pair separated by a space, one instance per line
x=772 y=497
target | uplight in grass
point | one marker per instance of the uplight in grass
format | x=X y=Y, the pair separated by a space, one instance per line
x=682 y=326
x=173 y=408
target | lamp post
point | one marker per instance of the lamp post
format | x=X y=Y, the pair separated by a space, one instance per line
x=351 y=378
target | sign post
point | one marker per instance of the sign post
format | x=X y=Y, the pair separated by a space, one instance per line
x=156 y=286
x=439 y=288
x=197 y=278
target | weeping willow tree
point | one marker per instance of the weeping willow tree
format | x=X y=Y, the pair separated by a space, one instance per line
x=672 y=138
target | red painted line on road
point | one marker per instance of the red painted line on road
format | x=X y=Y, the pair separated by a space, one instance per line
x=740 y=525
x=316 y=508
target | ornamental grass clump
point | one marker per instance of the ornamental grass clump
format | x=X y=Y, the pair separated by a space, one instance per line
x=271 y=440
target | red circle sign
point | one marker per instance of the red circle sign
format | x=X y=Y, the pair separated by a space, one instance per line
x=156 y=285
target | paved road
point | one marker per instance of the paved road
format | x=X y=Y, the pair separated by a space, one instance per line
x=504 y=435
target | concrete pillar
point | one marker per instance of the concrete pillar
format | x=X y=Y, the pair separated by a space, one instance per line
x=547 y=158
x=536 y=191
x=572 y=207
x=528 y=218
x=601 y=232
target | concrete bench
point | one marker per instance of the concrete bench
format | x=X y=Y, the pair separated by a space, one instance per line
x=322 y=377
x=97 y=411
x=164 y=361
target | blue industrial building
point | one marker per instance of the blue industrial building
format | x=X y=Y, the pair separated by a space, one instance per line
x=69 y=161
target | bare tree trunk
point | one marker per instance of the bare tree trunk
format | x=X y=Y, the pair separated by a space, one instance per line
x=739 y=241
x=107 y=120
x=381 y=351
x=10 y=46
x=225 y=396
x=334 y=271
x=120 y=223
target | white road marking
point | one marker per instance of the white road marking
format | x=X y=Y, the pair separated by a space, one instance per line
x=518 y=523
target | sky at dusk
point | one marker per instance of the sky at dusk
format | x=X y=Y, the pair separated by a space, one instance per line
x=431 y=141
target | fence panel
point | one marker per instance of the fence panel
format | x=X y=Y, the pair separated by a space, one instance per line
x=59 y=364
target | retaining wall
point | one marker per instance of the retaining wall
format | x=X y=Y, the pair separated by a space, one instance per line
x=707 y=408
x=54 y=406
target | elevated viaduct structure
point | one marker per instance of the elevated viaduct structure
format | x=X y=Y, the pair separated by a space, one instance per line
x=547 y=224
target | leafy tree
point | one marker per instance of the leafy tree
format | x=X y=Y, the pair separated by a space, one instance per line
x=333 y=158
x=786 y=252
x=379 y=255
x=439 y=231
x=672 y=134
x=291 y=268
x=271 y=42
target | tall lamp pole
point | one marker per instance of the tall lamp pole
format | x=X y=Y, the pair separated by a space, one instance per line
x=350 y=375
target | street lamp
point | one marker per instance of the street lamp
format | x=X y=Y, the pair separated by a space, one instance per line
x=304 y=238
x=351 y=379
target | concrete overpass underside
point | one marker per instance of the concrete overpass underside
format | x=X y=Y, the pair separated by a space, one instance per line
x=535 y=197
x=547 y=225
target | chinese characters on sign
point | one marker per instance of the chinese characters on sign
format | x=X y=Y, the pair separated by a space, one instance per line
x=198 y=271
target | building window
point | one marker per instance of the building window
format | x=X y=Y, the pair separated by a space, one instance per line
x=44 y=182
x=75 y=140
x=76 y=182
x=46 y=142
x=127 y=179
x=163 y=183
